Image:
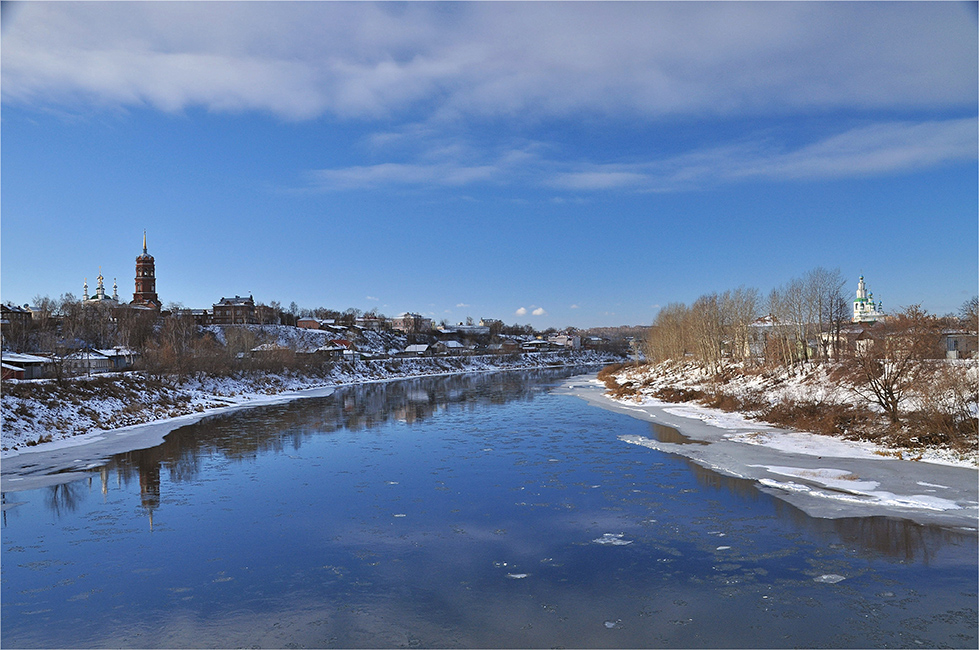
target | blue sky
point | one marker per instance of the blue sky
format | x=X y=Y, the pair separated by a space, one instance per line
x=545 y=163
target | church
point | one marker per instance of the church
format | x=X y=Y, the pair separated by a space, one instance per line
x=145 y=295
x=865 y=310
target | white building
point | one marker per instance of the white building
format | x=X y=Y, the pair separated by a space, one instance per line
x=865 y=310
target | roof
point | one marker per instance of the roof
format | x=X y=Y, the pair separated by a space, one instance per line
x=16 y=357
x=117 y=352
x=418 y=347
x=87 y=355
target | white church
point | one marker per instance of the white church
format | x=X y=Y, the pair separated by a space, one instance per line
x=865 y=310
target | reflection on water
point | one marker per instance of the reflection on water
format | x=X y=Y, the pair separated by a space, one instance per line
x=663 y=433
x=467 y=511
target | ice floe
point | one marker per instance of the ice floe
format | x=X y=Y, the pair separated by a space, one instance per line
x=829 y=578
x=612 y=539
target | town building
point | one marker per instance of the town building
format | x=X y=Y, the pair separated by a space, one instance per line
x=865 y=310
x=234 y=311
x=412 y=323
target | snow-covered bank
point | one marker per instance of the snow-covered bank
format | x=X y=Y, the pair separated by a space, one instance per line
x=814 y=398
x=823 y=476
x=80 y=425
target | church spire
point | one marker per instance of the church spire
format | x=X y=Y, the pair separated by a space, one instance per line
x=144 y=242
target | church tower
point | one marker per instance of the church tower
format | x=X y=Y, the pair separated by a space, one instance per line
x=146 y=279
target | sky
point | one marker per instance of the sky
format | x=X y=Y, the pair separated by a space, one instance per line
x=553 y=164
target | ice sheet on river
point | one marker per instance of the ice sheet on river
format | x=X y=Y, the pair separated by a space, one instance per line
x=823 y=476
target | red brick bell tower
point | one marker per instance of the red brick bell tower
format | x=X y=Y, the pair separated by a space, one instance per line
x=146 y=280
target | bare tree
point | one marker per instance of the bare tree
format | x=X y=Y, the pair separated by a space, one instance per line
x=707 y=330
x=969 y=314
x=668 y=337
x=888 y=369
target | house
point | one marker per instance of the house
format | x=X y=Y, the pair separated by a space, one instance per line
x=449 y=347
x=537 y=345
x=329 y=352
x=12 y=372
x=33 y=367
x=506 y=346
x=234 y=311
x=466 y=330
x=417 y=350
x=565 y=341
x=119 y=358
x=201 y=316
x=14 y=316
x=87 y=362
x=411 y=323
x=374 y=323
x=959 y=344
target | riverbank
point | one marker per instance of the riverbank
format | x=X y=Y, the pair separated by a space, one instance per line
x=51 y=431
x=823 y=476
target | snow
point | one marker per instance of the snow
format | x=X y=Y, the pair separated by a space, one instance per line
x=823 y=476
x=800 y=442
x=50 y=424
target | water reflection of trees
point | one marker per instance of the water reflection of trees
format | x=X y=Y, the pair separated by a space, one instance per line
x=890 y=537
x=248 y=433
x=64 y=498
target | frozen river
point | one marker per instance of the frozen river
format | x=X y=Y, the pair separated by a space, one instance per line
x=473 y=511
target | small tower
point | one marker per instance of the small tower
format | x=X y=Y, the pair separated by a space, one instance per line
x=145 y=293
x=115 y=290
x=100 y=287
x=85 y=290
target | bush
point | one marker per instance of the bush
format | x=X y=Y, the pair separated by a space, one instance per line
x=817 y=417
x=671 y=394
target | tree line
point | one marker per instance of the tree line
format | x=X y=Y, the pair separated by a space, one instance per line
x=894 y=363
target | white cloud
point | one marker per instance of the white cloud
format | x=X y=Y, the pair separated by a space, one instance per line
x=462 y=304
x=575 y=307
x=539 y=312
x=360 y=60
x=398 y=174
x=371 y=298
x=880 y=148
x=522 y=311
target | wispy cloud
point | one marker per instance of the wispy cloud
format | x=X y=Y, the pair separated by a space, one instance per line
x=870 y=149
x=479 y=60
x=399 y=174
x=883 y=148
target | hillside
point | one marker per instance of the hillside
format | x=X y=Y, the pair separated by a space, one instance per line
x=45 y=411
x=940 y=421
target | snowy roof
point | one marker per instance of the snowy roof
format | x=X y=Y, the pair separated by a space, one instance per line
x=452 y=344
x=117 y=352
x=15 y=357
x=418 y=347
x=91 y=355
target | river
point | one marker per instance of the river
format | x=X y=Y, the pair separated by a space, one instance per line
x=468 y=511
